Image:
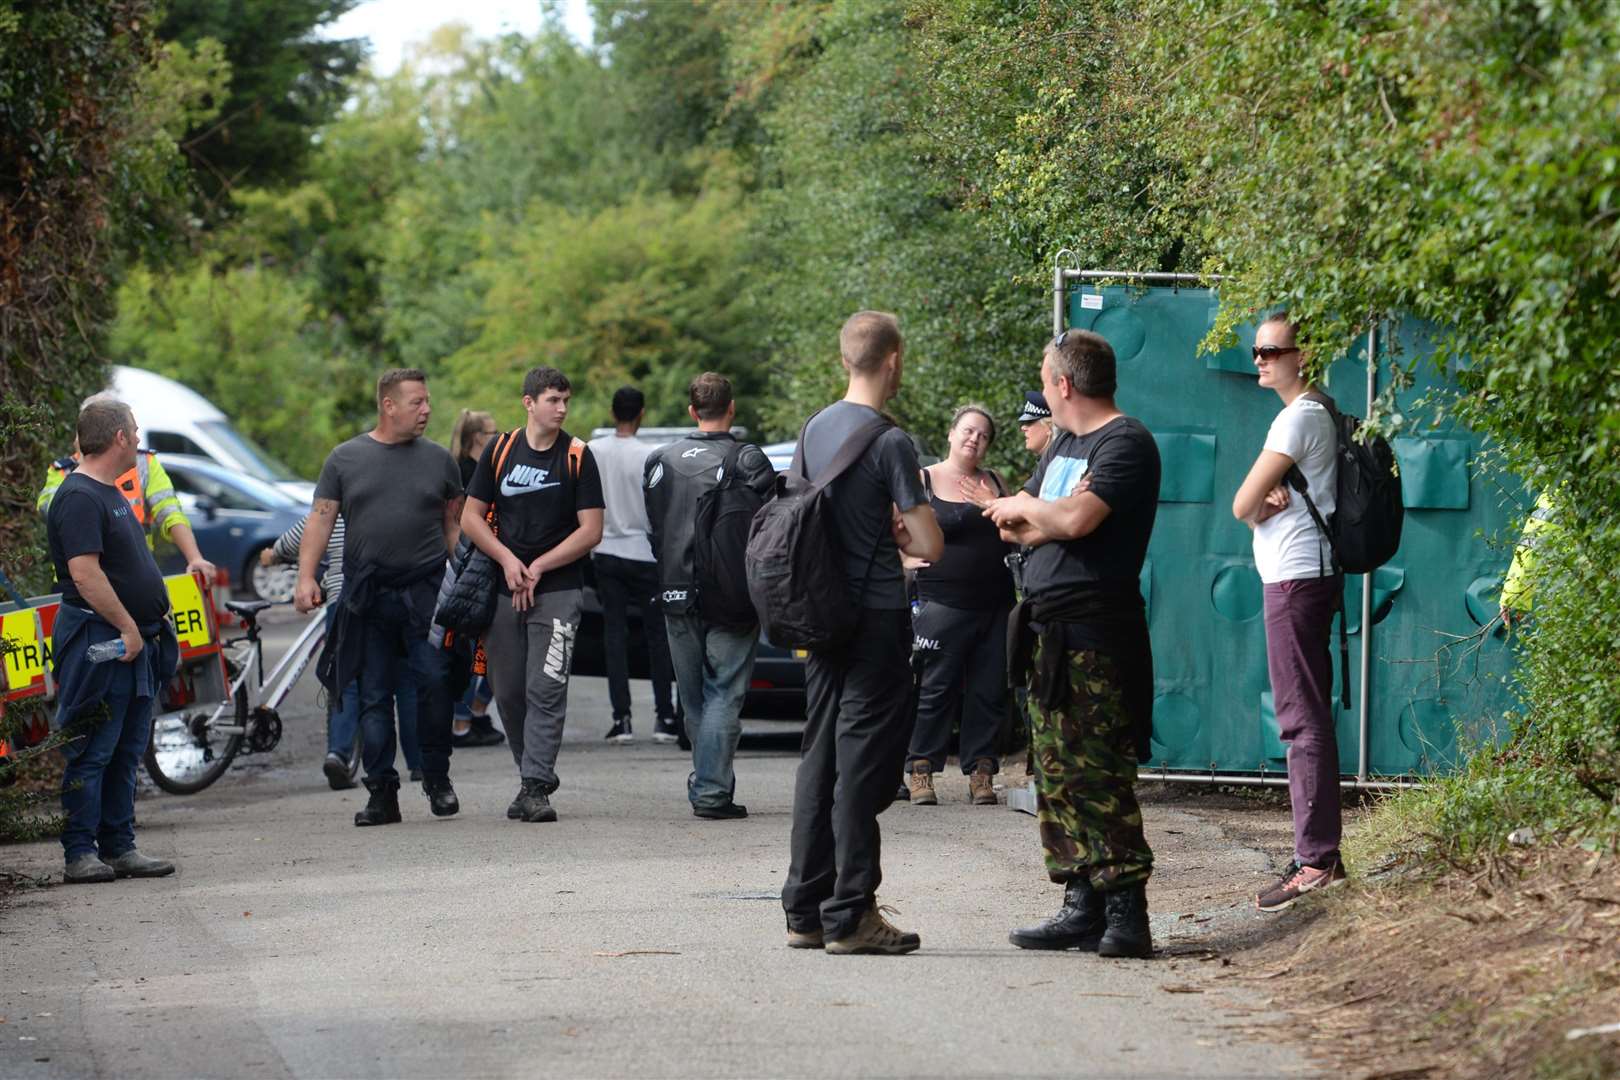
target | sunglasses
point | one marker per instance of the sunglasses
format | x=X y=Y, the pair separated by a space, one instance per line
x=1269 y=353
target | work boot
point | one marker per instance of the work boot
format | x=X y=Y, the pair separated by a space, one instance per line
x=1078 y=924
x=441 y=796
x=87 y=870
x=133 y=864
x=920 y=785
x=535 y=805
x=1127 y=934
x=383 y=806
x=875 y=934
x=805 y=939
x=982 y=784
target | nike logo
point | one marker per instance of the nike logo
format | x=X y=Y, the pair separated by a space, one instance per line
x=524 y=479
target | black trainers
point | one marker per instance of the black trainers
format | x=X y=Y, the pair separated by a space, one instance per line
x=620 y=732
x=723 y=812
x=336 y=768
x=383 y=806
x=535 y=805
x=666 y=730
x=441 y=796
x=480 y=733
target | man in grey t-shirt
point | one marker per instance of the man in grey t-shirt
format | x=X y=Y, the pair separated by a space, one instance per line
x=400 y=497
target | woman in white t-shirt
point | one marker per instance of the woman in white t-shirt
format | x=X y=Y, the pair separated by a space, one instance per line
x=1301 y=593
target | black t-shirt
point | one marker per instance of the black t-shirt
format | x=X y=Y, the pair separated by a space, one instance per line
x=1121 y=460
x=862 y=499
x=972 y=573
x=537 y=501
x=88 y=517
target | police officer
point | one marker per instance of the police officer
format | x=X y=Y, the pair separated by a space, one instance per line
x=1088 y=514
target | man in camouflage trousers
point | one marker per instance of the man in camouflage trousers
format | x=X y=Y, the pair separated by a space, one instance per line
x=1088 y=514
x=1085 y=755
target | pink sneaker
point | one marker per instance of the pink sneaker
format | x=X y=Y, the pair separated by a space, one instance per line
x=1301 y=880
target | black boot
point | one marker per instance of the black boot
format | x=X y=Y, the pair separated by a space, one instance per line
x=441 y=796
x=1127 y=933
x=383 y=806
x=1079 y=923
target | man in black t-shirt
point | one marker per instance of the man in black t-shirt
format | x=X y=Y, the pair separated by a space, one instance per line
x=856 y=716
x=112 y=593
x=1088 y=513
x=546 y=494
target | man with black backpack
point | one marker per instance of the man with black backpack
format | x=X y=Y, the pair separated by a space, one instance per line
x=855 y=475
x=701 y=495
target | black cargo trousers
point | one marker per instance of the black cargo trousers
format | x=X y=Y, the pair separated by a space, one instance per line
x=857 y=723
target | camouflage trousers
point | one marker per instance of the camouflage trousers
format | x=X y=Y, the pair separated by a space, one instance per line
x=1085 y=772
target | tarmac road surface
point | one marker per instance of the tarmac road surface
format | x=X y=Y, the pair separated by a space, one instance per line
x=628 y=939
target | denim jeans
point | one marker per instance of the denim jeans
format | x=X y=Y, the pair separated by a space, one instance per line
x=712 y=668
x=391 y=680
x=98 y=785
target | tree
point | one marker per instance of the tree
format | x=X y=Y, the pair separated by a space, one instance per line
x=79 y=179
x=285 y=83
x=646 y=293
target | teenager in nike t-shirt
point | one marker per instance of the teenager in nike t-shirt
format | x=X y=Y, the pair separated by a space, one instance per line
x=548 y=516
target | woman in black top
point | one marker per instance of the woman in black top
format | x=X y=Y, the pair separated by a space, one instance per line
x=469 y=436
x=959 y=620
x=472 y=727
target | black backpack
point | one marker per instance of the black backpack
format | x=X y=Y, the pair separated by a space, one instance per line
x=1365 y=530
x=795 y=562
x=720 y=528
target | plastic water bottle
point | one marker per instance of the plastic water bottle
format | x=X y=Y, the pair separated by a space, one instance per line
x=105 y=650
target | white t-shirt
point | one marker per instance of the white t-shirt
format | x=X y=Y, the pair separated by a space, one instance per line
x=620 y=459
x=1289 y=546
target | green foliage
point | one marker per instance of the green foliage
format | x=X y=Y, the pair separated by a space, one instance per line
x=1358 y=158
x=285 y=82
x=76 y=181
x=643 y=293
x=252 y=341
x=1039 y=112
x=852 y=215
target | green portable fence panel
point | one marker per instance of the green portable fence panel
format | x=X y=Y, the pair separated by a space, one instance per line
x=1428 y=671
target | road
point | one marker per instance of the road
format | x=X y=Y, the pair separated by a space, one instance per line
x=628 y=939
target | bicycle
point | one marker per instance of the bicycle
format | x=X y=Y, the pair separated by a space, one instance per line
x=188 y=750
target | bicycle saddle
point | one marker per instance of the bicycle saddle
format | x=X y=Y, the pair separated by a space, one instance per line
x=246 y=609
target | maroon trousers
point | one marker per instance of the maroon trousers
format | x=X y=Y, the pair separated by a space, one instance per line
x=1299 y=617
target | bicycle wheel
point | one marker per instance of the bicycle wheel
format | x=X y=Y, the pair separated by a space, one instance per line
x=185 y=753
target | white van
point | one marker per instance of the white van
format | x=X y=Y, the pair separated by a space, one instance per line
x=175 y=419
